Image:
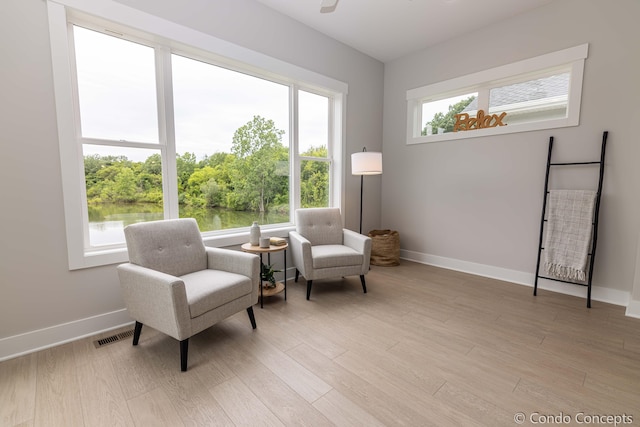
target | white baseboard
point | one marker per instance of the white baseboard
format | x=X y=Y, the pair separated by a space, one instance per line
x=29 y=342
x=598 y=293
x=41 y=339
x=633 y=309
x=469 y=267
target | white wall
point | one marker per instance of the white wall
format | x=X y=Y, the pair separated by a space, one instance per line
x=41 y=301
x=475 y=204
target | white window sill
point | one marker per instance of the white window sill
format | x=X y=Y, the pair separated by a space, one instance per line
x=98 y=258
x=476 y=133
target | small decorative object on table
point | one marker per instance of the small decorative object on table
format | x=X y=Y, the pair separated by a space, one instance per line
x=254 y=234
x=264 y=242
x=277 y=241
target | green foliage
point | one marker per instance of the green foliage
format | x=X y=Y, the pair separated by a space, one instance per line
x=253 y=177
x=212 y=193
x=258 y=149
x=446 y=121
x=124 y=188
x=314 y=179
x=198 y=178
x=268 y=274
x=185 y=165
x=153 y=165
x=115 y=179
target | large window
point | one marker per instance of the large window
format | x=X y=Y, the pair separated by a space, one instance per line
x=232 y=146
x=166 y=130
x=539 y=93
x=117 y=114
x=313 y=131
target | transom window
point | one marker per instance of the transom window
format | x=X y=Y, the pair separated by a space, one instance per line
x=538 y=93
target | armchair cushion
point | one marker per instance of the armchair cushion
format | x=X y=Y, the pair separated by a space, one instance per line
x=209 y=289
x=329 y=256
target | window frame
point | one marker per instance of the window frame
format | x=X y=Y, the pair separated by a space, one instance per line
x=571 y=60
x=329 y=159
x=167 y=38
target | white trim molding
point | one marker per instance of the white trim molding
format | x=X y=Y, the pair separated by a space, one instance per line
x=52 y=336
x=598 y=293
x=571 y=59
x=633 y=309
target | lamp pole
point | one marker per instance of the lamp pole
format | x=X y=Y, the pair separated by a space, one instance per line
x=365 y=163
x=361 y=191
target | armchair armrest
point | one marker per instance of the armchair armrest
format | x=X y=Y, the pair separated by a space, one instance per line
x=301 y=253
x=156 y=299
x=234 y=262
x=357 y=241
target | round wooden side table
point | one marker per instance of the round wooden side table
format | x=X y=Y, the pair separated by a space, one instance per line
x=280 y=286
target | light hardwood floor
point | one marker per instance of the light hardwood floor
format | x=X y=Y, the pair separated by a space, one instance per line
x=425 y=346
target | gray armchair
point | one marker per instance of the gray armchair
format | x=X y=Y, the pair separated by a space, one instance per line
x=322 y=249
x=176 y=285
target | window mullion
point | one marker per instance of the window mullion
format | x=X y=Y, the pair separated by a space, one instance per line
x=330 y=148
x=483 y=98
x=294 y=181
x=167 y=133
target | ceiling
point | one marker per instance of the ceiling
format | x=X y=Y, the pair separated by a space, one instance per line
x=389 y=29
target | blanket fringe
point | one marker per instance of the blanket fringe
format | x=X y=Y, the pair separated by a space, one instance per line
x=564 y=272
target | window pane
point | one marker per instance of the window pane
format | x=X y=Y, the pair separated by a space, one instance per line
x=116 y=88
x=533 y=100
x=313 y=123
x=124 y=186
x=232 y=146
x=314 y=184
x=438 y=117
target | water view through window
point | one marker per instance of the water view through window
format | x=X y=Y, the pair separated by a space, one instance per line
x=232 y=141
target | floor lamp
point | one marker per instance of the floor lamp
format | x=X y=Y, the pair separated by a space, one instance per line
x=365 y=163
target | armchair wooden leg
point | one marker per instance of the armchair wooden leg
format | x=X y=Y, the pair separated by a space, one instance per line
x=136 y=332
x=251 y=317
x=184 y=349
x=364 y=285
x=297 y=275
x=309 y=282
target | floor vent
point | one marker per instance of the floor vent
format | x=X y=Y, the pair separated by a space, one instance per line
x=114 y=338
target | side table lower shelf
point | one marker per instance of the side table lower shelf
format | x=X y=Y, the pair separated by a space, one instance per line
x=267 y=292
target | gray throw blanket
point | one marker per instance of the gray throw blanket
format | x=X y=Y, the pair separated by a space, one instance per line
x=568 y=234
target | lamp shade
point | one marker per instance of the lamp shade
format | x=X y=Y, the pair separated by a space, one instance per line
x=366 y=163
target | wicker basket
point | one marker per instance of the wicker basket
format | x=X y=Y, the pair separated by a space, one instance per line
x=385 y=248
